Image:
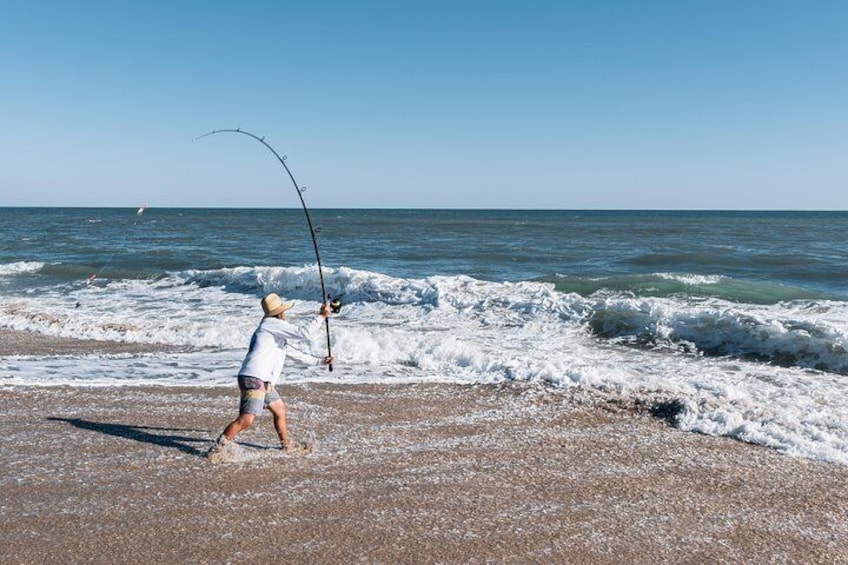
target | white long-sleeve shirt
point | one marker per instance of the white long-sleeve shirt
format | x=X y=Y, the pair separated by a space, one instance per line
x=269 y=348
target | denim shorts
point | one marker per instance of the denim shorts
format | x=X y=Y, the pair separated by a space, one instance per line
x=255 y=395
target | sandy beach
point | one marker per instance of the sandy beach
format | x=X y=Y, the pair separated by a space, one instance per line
x=398 y=474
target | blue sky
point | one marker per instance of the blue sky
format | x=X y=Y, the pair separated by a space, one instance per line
x=723 y=104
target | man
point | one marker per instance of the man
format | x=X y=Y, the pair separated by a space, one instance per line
x=262 y=367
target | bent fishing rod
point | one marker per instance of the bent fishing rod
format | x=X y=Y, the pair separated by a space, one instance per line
x=300 y=190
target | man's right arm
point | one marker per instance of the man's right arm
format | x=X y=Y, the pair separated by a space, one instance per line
x=290 y=331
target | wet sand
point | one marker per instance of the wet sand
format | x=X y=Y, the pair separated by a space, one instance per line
x=29 y=343
x=398 y=474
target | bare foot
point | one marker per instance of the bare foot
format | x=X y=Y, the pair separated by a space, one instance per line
x=297 y=446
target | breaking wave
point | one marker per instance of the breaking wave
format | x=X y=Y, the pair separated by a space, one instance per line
x=772 y=374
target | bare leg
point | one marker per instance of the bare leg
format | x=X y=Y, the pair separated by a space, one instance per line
x=278 y=410
x=243 y=422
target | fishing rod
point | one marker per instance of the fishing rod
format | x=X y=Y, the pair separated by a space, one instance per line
x=300 y=190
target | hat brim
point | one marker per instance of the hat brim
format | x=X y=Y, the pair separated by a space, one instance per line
x=280 y=309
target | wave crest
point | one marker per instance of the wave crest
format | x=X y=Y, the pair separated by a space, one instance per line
x=803 y=333
x=20 y=267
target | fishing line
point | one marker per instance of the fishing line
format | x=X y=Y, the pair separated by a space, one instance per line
x=123 y=237
x=300 y=190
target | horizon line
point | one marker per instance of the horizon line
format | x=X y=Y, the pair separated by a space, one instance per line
x=425 y=208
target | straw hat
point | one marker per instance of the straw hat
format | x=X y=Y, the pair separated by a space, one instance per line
x=272 y=305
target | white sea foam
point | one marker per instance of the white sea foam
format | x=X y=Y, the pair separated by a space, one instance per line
x=706 y=353
x=691 y=279
x=20 y=267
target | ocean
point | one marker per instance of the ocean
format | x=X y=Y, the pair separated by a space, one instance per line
x=739 y=320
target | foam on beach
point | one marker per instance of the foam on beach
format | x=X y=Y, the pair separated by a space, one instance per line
x=453 y=473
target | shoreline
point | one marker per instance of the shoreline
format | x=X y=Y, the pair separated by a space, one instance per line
x=18 y=342
x=425 y=473
x=398 y=473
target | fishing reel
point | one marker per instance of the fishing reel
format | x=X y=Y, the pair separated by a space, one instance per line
x=335 y=305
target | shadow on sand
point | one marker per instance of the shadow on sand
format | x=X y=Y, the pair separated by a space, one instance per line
x=143 y=434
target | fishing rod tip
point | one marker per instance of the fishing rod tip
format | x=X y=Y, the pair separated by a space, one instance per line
x=207 y=134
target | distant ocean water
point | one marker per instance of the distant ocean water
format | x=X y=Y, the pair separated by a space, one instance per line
x=740 y=316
